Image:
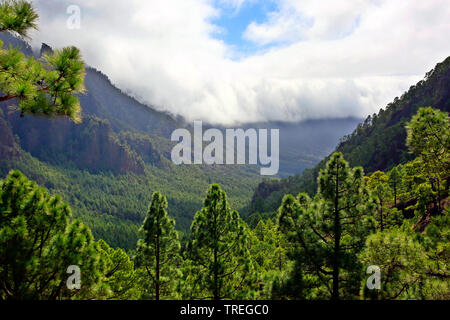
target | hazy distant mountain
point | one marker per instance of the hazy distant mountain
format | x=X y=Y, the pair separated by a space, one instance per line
x=303 y=144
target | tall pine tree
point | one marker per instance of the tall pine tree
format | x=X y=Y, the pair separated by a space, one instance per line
x=429 y=138
x=220 y=249
x=378 y=184
x=158 y=251
x=329 y=231
x=120 y=279
x=395 y=181
x=38 y=242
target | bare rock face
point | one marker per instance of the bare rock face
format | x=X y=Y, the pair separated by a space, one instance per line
x=99 y=149
x=90 y=145
x=94 y=144
x=8 y=147
x=144 y=147
x=45 y=49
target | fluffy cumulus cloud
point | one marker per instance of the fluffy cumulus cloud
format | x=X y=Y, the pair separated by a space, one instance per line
x=313 y=59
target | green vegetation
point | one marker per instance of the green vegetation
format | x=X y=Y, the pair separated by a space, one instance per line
x=320 y=246
x=429 y=139
x=47 y=87
x=219 y=249
x=319 y=249
x=376 y=144
x=158 y=250
x=329 y=231
x=38 y=242
x=113 y=206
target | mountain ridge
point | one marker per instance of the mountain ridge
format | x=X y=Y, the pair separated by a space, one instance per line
x=378 y=143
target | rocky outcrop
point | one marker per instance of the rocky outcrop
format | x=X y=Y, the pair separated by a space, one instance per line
x=90 y=145
x=93 y=145
x=99 y=149
x=143 y=146
x=8 y=146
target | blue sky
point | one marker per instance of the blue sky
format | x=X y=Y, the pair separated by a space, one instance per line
x=234 y=21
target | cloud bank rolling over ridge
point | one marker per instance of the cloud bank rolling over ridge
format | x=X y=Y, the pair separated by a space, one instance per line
x=310 y=59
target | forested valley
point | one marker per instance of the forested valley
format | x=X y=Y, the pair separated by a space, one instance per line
x=381 y=200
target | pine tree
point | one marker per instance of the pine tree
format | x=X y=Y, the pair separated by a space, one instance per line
x=268 y=246
x=47 y=87
x=379 y=186
x=220 y=249
x=429 y=138
x=395 y=181
x=291 y=219
x=158 y=250
x=329 y=231
x=38 y=242
x=119 y=277
x=269 y=254
x=402 y=262
x=17 y=16
x=436 y=242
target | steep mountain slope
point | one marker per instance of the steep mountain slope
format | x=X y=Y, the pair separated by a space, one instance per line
x=108 y=166
x=8 y=148
x=376 y=144
x=123 y=112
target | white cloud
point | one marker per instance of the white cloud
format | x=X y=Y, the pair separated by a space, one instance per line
x=337 y=59
x=308 y=20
